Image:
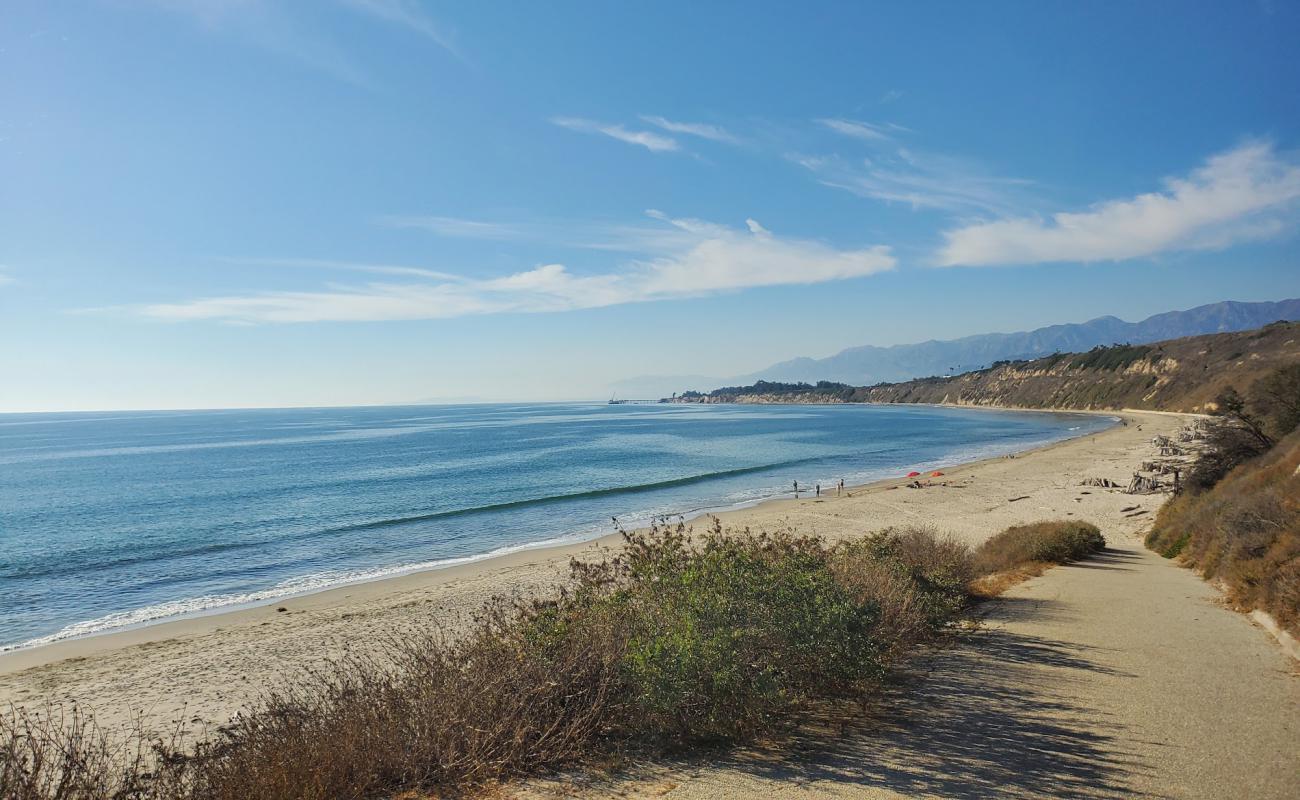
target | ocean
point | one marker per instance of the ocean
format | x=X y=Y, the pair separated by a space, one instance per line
x=118 y=519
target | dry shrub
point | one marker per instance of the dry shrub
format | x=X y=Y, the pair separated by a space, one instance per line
x=427 y=714
x=1055 y=542
x=902 y=620
x=1244 y=532
x=432 y=715
x=916 y=577
x=55 y=756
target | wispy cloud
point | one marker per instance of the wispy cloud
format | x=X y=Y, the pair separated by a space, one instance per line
x=457 y=227
x=713 y=258
x=5 y=279
x=585 y=235
x=407 y=14
x=1248 y=192
x=920 y=180
x=651 y=141
x=275 y=28
x=857 y=129
x=703 y=130
x=347 y=266
x=894 y=173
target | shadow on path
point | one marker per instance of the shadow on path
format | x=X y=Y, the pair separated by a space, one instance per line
x=983 y=723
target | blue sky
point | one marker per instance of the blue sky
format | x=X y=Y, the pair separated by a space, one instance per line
x=249 y=203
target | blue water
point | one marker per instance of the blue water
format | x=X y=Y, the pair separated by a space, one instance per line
x=116 y=519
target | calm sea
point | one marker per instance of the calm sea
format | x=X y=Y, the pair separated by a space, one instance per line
x=116 y=519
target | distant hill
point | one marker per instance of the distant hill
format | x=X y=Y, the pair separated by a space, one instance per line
x=869 y=364
x=1183 y=374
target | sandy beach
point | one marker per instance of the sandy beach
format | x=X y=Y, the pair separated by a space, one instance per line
x=204 y=669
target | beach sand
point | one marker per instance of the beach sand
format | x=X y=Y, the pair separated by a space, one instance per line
x=202 y=670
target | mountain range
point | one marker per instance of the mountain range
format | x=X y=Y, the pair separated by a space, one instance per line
x=869 y=364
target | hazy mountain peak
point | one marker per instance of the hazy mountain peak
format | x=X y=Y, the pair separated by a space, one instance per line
x=864 y=365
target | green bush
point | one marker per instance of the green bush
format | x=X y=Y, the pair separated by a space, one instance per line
x=737 y=630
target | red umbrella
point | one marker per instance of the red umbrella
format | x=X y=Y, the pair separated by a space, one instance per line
x=913 y=474
x=936 y=474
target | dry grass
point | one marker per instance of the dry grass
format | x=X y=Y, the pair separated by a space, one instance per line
x=681 y=639
x=1244 y=533
x=987 y=587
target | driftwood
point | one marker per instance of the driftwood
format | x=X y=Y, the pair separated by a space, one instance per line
x=1162 y=467
x=1105 y=483
x=1172 y=450
x=1141 y=484
x=1160 y=440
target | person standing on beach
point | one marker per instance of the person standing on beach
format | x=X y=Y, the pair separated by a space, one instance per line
x=796 y=489
x=839 y=488
x=819 y=490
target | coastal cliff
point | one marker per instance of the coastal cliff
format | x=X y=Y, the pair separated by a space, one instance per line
x=1174 y=375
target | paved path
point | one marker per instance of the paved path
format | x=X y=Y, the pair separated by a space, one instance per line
x=1116 y=677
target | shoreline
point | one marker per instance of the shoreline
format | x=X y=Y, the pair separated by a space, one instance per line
x=20 y=658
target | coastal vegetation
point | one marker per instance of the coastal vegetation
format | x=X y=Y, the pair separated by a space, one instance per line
x=679 y=639
x=1237 y=519
x=776 y=389
x=1186 y=374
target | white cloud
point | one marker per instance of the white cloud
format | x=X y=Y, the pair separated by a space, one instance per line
x=649 y=140
x=1244 y=193
x=709 y=259
x=700 y=129
x=856 y=129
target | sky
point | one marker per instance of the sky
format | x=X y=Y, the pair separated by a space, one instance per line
x=238 y=203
